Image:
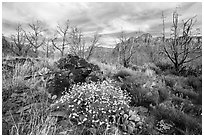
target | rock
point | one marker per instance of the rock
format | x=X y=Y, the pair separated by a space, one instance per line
x=59 y=84
x=79 y=75
x=74 y=70
x=93 y=78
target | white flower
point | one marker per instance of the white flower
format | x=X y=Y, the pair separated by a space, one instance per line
x=85 y=119
x=78 y=102
x=100 y=123
x=75 y=114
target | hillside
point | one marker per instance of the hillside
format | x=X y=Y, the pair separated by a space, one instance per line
x=74 y=97
x=101 y=53
x=138 y=46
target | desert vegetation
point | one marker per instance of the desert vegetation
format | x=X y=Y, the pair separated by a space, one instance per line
x=144 y=86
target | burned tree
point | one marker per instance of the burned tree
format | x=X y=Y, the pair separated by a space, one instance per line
x=48 y=48
x=77 y=46
x=35 y=37
x=125 y=49
x=181 y=49
x=163 y=23
x=62 y=34
x=94 y=43
x=19 y=46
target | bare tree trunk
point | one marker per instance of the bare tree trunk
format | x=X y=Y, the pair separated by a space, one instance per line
x=180 y=47
x=93 y=45
x=36 y=38
x=62 y=32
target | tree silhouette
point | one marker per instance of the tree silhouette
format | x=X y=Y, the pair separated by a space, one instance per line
x=62 y=31
x=35 y=37
x=180 y=48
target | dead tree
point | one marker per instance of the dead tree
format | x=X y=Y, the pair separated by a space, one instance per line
x=62 y=35
x=83 y=48
x=35 y=37
x=94 y=43
x=76 y=47
x=19 y=46
x=163 y=31
x=125 y=49
x=48 y=48
x=180 y=49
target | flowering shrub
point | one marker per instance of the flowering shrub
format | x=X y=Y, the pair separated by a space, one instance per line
x=100 y=106
x=94 y=103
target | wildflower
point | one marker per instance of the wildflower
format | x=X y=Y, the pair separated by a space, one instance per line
x=75 y=114
x=71 y=106
x=100 y=123
x=85 y=119
x=78 y=102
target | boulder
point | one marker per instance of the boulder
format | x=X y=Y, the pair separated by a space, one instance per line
x=73 y=70
x=59 y=84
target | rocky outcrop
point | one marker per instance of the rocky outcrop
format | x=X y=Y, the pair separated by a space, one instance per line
x=73 y=70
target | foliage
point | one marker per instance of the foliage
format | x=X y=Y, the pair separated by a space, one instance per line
x=183 y=121
x=100 y=108
x=124 y=101
x=164 y=66
x=194 y=82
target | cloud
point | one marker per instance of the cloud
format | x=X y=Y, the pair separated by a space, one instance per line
x=106 y=18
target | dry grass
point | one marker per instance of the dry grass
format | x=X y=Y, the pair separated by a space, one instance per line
x=26 y=106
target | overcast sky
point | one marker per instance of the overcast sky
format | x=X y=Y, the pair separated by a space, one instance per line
x=106 y=18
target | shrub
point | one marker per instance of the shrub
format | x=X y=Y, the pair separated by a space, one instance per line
x=19 y=95
x=152 y=66
x=163 y=94
x=164 y=66
x=26 y=110
x=93 y=105
x=194 y=82
x=126 y=75
x=122 y=74
x=183 y=122
x=185 y=93
x=135 y=67
x=141 y=96
x=170 y=81
x=192 y=71
x=107 y=69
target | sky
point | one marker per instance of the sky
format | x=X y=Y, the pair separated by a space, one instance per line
x=108 y=19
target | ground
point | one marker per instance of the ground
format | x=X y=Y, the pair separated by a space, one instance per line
x=73 y=96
